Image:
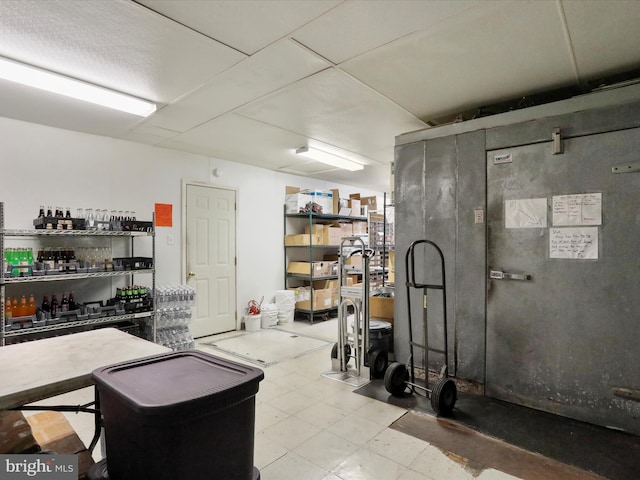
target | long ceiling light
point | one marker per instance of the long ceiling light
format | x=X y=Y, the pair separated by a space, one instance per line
x=329 y=159
x=56 y=83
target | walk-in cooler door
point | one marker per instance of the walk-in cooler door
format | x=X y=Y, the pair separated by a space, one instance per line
x=563 y=300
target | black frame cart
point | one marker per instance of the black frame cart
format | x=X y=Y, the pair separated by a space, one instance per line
x=398 y=377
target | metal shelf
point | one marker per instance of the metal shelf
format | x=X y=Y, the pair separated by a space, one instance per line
x=311 y=278
x=72 y=233
x=6 y=282
x=72 y=276
x=316 y=216
x=79 y=323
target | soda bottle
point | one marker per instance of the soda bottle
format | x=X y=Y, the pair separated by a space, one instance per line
x=32 y=305
x=72 y=302
x=64 y=304
x=46 y=306
x=55 y=306
x=49 y=211
x=23 y=309
x=14 y=307
x=8 y=311
x=41 y=212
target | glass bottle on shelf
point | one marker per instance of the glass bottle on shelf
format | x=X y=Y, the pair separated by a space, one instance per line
x=8 y=310
x=46 y=306
x=55 y=306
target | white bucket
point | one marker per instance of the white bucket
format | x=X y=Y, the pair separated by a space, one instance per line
x=252 y=323
x=269 y=317
x=286 y=302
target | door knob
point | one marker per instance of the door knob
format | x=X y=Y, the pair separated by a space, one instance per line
x=191 y=274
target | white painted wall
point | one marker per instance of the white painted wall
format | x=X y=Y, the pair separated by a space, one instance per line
x=44 y=165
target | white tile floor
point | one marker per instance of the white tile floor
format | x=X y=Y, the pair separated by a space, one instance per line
x=309 y=427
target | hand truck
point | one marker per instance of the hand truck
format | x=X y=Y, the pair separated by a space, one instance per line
x=398 y=378
x=354 y=343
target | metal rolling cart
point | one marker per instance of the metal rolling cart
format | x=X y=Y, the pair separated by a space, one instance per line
x=398 y=378
x=354 y=340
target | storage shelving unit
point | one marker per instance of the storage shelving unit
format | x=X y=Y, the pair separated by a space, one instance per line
x=18 y=283
x=382 y=240
x=310 y=253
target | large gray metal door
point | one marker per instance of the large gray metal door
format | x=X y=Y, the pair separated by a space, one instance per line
x=563 y=308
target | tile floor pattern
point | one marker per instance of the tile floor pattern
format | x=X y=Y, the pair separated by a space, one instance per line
x=309 y=427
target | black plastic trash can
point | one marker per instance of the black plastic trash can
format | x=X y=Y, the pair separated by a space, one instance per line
x=179 y=416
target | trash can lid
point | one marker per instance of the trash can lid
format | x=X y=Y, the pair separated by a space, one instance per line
x=375 y=325
x=179 y=382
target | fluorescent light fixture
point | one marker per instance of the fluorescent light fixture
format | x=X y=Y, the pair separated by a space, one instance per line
x=56 y=83
x=329 y=159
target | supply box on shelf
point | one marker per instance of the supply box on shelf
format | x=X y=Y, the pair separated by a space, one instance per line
x=317 y=269
x=322 y=298
x=299 y=201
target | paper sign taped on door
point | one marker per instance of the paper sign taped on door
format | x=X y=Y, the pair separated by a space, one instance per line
x=578 y=243
x=580 y=209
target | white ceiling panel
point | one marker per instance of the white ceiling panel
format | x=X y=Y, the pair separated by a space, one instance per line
x=116 y=44
x=605 y=35
x=247 y=25
x=484 y=55
x=354 y=28
x=272 y=68
x=236 y=138
x=333 y=108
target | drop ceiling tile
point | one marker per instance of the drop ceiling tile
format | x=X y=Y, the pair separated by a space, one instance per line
x=272 y=68
x=239 y=139
x=354 y=28
x=247 y=25
x=333 y=108
x=486 y=54
x=116 y=44
x=604 y=35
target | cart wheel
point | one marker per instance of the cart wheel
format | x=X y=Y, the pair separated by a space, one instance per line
x=378 y=360
x=444 y=396
x=347 y=351
x=395 y=378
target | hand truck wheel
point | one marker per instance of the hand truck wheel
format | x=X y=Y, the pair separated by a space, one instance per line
x=378 y=361
x=444 y=396
x=396 y=378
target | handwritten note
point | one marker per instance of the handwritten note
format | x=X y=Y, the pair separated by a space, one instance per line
x=525 y=213
x=581 y=209
x=577 y=243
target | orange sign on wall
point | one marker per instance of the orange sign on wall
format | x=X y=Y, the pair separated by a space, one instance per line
x=164 y=215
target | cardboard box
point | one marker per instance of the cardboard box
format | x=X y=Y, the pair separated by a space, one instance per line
x=347 y=229
x=334 y=235
x=372 y=203
x=326 y=234
x=336 y=201
x=323 y=198
x=381 y=307
x=355 y=208
x=53 y=432
x=360 y=228
x=302 y=239
x=297 y=202
x=321 y=298
x=317 y=269
x=15 y=434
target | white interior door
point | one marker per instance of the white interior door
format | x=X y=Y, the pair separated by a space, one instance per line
x=211 y=257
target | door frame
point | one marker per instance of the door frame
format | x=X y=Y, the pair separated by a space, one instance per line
x=183 y=235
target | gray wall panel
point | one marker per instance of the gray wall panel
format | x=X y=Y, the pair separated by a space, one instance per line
x=470 y=266
x=409 y=215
